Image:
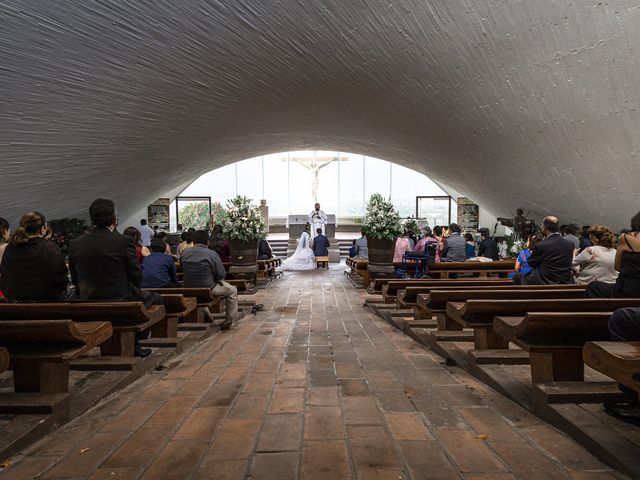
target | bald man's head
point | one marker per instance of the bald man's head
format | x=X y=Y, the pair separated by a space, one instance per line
x=550 y=224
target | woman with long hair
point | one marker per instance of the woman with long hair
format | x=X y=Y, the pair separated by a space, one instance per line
x=596 y=262
x=627 y=263
x=141 y=250
x=33 y=268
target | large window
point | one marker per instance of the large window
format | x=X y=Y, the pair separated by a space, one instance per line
x=342 y=183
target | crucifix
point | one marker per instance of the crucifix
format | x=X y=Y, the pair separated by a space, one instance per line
x=315 y=164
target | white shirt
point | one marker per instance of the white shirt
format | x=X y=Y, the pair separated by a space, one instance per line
x=146 y=234
x=596 y=263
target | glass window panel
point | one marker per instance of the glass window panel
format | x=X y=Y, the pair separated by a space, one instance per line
x=250 y=178
x=300 y=187
x=376 y=177
x=406 y=185
x=328 y=188
x=351 y=186
x=276 y=184
x=435 y=210
x=193 y=212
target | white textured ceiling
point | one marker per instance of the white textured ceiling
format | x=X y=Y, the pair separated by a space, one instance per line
x=511 y=102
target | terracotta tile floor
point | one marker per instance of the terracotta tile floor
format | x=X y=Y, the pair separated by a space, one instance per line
x=314 y=387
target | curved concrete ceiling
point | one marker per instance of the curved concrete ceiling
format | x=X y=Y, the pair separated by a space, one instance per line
x=513 y=103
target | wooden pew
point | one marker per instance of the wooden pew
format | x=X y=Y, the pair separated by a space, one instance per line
x=501 y=268
x=392 y=287
x=618 y=360
x=127 y=319
x=554 y=340
x=4 y=359
x=204 y=297
x=359 y=267
x=177 y=309
x=42 y=349
x=479 y=314
x=408 y=298
x=322 y=262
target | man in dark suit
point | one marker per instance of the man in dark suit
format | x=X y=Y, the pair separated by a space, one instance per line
x=488 y=247
x=103 y=263
x=550 y=259
x=321 y=244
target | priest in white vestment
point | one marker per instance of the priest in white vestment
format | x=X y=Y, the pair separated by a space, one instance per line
x=317 y=219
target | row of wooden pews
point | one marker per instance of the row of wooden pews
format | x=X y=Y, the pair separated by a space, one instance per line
x=359 y=273
x=494 y=331
x=65 y=357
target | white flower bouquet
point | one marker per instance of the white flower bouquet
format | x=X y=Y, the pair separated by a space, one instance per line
x=381 y=219
x=243 y=220
x=517 y=247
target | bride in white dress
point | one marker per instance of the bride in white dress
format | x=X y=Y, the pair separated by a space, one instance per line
x=302 y=258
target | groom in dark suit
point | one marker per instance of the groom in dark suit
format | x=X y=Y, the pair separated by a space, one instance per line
x=321 y=244
x=550 y=259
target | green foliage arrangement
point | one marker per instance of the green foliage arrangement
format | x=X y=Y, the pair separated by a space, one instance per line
x=381 y=220
x=243 y=220
x=411 y=226
x=195 y=215
x=218 y=214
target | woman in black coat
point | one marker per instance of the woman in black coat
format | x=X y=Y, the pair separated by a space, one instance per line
x=33 y=269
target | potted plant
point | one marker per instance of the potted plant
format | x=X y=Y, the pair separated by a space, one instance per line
x=382 y=226
x=411 y=227
x=243 y=226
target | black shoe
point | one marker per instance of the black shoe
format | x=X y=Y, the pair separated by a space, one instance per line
x=142 y=352
x=626 y=411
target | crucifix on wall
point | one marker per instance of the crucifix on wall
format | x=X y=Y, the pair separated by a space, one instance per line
x=315 y=164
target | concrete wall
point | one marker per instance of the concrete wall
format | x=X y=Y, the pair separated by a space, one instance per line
x=533 y=104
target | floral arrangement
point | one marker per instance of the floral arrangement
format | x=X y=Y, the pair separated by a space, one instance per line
x=242 y=221
x=516 y=247
x=381 y=220
x=411 y=226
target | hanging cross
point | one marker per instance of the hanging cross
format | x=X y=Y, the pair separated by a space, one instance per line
x=315 y=164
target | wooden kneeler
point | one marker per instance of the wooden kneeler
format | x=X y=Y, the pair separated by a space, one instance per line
x=42 y=349
x=618 y=360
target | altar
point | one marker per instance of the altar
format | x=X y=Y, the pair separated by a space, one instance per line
x=296 y=224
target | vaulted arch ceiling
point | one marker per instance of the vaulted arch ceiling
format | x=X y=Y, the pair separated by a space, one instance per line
x=513 y=103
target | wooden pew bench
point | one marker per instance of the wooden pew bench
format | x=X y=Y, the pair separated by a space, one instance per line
x=127 y=319
x=501 y=268
x=205 y=299
x=4 y=359
x=358 y=267
x=322 y=262
x=554 y=340
x=479 y=314
x=266 y=268
x=42 y=349
x=391 y=288
x=617 y=360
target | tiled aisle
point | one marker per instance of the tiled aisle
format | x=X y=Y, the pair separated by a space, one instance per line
x=314 y=387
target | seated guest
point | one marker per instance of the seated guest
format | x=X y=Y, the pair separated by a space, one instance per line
x=141 y=250
x=219 y=245
x=550 y=258
x=455 y=247
x=187 y=242
x=5 y=235
x=470 y=247
x=488 y=247
x=163 y=236
x=202 y=268
x=624 y=326
x=159 y=269
x=627 y=263
x=437 y=234
x=320 y=244
x=264 y=250
x=104 y=266
x=402 y=246
x=362 y=248
x=585 y=240
x=572 y=235
x=352 y=249
x=597 y=261
x=522 y=260
x=33 y=269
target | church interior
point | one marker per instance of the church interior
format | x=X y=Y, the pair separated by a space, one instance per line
x=306 y=239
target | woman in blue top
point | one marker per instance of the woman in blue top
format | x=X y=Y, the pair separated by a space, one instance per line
x=522 y=262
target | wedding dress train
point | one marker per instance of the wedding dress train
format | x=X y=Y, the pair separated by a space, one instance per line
x=303 y=258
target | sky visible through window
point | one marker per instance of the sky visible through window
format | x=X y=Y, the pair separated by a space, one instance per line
x=342 y=183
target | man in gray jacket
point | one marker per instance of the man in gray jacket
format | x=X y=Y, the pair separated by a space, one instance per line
x=202 y=267
x=454 y=245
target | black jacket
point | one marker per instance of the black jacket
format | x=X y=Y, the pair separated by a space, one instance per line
x=103 y=266
x=321 y=246
x=488 y=248
x=33 y=272
x=551 y=261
